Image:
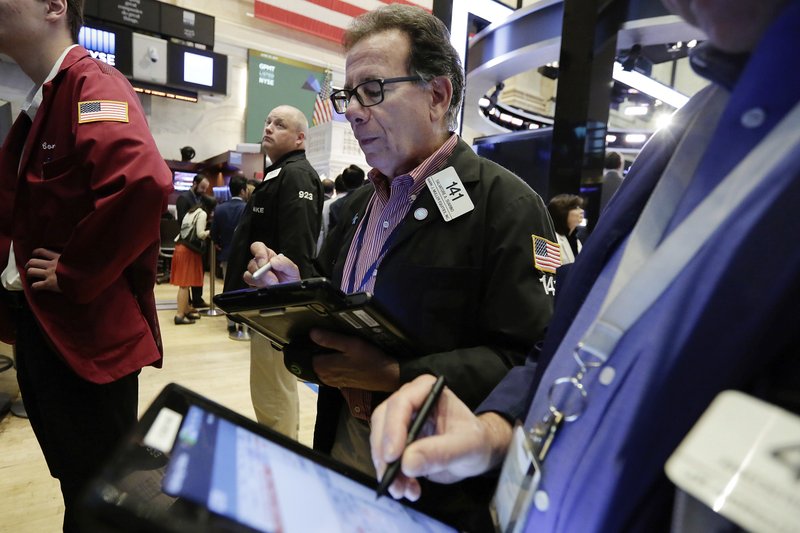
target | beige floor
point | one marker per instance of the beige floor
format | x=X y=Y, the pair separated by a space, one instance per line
x=199 y=356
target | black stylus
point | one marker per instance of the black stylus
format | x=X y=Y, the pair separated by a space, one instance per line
x=413 y=433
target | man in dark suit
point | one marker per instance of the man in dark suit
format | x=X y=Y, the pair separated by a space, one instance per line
x=652 y=323
x=226 y=217
x=185 y=201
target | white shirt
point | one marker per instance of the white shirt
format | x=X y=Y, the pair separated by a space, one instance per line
x=10 y=277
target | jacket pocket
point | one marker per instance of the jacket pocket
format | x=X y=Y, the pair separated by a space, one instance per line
x=62 y=199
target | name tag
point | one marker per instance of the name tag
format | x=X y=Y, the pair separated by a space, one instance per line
x=517 y=485
x=449 y=193
x=272 y=175
x=742 y=459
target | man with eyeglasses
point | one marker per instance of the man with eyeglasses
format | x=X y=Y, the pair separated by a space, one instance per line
x=456 y=267
x=685 y=290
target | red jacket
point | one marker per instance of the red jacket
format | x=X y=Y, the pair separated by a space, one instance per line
x=94 y=192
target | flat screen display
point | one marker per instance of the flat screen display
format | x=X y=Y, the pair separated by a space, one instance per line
x=182 y=181
x=110 y=44
x=196 y=69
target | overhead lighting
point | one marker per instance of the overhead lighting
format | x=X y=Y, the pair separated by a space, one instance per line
x=663 y=120
x=636 y=110
x=692 y=43
x=635 y=138
x=483 y=102
x=649 y=86
x=610 y=138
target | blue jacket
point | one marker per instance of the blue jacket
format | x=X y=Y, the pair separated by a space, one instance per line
x=226 y=218
x=729 y=321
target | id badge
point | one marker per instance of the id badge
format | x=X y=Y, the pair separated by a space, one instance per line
x=519 y=479
x=449 y=194
x=742 y=460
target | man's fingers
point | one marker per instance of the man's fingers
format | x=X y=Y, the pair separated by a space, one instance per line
x=45 y=253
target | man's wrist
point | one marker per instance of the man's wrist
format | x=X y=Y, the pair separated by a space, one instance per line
x=497 y=432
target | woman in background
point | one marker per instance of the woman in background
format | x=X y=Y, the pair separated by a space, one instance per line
x=187 y=264
x=566 y=210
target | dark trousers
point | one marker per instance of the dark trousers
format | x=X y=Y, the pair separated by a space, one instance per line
x=197 y=296
x=77 y=423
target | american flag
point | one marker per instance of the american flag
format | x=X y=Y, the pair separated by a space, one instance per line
x=102 y=110
x=546 y=254
x=325 y=18
x=322 y=103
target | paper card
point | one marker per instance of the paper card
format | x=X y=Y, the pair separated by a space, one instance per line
x=742 y=459
x=450 y=194
x=161 y=435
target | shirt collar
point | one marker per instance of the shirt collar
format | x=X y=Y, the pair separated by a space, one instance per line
x=717 y=66
x=424 y=169
x=34 y=99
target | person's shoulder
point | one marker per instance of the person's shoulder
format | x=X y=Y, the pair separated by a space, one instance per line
x=96 y=72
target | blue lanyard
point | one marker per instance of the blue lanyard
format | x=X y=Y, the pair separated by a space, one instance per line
x=359 y=243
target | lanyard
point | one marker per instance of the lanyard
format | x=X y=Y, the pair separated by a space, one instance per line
x=362 y=229
x=647 y=267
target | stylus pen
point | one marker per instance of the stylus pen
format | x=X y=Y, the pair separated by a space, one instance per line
x=413 y=433
x=263 y=269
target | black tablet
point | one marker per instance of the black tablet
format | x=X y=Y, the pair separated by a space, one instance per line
x=192 y=465
x=285 y=313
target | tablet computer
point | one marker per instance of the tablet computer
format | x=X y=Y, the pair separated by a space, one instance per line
x=191 y=465
x=285 y=314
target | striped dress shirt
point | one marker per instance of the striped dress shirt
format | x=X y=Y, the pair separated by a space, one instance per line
x=386 y=210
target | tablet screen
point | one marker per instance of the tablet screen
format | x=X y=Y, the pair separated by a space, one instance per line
x=253 y=481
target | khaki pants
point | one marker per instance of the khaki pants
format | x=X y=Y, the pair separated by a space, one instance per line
x=273 y=389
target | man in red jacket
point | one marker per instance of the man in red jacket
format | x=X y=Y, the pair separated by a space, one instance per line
x=82 y=189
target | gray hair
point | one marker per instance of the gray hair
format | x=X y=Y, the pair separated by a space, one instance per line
x=431 y=55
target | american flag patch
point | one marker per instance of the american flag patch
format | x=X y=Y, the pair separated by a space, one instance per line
x=102 y=110
x=546 y=254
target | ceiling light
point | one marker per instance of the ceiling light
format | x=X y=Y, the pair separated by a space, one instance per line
x=663 y=120
x=636 y=110
x=635 y=138
x=649 y=86
x=611 y=138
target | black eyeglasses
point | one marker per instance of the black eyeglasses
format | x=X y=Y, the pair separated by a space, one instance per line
x=368 y=93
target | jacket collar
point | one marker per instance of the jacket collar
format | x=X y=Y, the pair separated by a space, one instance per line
x=294 y=155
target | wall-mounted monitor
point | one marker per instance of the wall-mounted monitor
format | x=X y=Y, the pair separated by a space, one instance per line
x=196 y=69
x=141 y=14
x=182 y=181
x=187 y=25
x=108 y=43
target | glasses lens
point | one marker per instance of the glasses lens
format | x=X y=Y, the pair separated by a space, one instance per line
x=370 y=93
x=340 y=100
